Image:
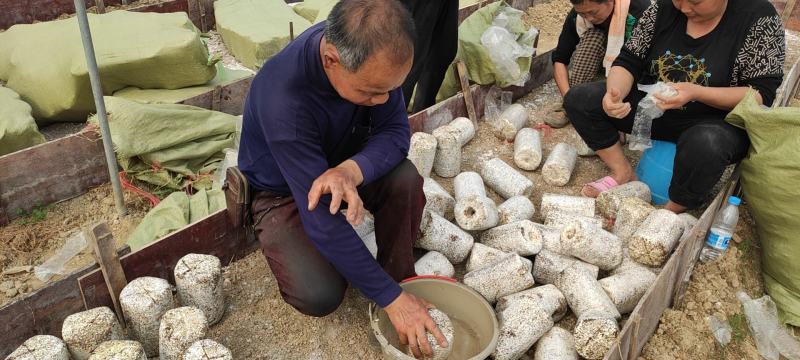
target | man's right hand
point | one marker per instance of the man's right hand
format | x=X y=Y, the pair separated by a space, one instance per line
x=409 y=315
x=613 y=105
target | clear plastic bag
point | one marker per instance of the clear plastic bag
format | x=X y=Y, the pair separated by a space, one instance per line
x=504 y=49
x=495 y=102
x=720 y=329
x=231 y=159
x=438 y=119
x=55 y=264
x=646 y=112
x=772 y=339
x=238 y=135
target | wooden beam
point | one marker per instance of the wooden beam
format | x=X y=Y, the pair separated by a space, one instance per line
x=228 y=98
x=105 y=251
x=461 y=74
x=213 y=235
x=788 y=9
x=789 y=87
x=51 y=172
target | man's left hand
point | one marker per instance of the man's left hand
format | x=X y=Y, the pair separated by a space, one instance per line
x=341 y=183
x=686 y=92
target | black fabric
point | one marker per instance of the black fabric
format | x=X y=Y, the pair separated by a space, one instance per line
x=705 y=145
x=747 y=48
x=568 y=39
x=437 y=42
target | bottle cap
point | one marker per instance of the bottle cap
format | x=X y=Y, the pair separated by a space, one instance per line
x=733 y=200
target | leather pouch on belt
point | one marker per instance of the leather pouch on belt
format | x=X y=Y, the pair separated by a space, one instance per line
x=237 y=197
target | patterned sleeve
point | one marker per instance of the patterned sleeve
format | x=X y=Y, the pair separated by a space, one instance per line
x=634 y=53
x=759 y=63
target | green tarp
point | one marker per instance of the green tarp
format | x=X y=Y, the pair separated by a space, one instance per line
x=45 y=62
x=224 y=76
x=314 y=11
x=169 y=145
x=17 y=128
x=480 y=67
x=255 y=30
x=769 y=180
x=174 y=212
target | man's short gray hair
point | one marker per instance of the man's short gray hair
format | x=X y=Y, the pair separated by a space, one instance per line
x=359 y=28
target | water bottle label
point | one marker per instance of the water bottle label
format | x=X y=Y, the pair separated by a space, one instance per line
x=717 y=241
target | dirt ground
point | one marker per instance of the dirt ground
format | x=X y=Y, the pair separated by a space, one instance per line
x=30 y=240
x=547 y=16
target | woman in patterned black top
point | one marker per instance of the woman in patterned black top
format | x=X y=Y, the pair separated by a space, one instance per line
x=712 y=52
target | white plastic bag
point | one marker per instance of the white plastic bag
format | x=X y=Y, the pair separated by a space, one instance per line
x=646 y=112
x=55 y=264
x=504 y=49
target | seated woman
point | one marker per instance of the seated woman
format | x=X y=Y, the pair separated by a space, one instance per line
x=592 y=36
x=712 y=52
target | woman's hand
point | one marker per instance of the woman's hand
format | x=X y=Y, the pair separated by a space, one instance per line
x=613 y=105
x=686 y=92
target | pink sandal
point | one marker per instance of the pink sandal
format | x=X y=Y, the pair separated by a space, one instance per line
x=601 y=185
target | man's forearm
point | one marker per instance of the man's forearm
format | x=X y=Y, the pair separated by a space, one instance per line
x=561 y=76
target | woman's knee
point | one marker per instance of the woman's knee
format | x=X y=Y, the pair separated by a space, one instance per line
x=585 y=97
x=716 y=142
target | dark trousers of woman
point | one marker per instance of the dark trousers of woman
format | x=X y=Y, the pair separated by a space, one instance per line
x=436 y=22
x=704 y=146
x=306 y=279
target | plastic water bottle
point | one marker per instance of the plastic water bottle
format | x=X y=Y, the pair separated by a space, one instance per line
x=721 y=231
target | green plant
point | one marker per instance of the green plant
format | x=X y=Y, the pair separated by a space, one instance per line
x=36 y=214
x=739 y=328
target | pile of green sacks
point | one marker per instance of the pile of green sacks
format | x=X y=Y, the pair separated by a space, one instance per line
x=171 y=146
x=18 y=130
x=769 y=180
x=255 y=30
x=45 y=63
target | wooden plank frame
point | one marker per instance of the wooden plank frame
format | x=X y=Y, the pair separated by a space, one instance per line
x=81 y=166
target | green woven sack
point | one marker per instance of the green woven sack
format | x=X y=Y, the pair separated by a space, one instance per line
x=45 y=62
x=17 y=128
x=769 y=180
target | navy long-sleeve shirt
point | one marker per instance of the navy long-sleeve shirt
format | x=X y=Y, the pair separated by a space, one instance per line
x=294 y=125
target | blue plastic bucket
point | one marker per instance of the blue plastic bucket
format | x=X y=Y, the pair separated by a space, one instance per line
x=655 y=169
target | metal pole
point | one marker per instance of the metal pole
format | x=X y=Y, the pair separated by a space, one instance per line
x=97 y=90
